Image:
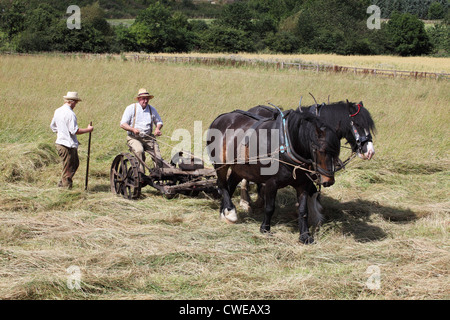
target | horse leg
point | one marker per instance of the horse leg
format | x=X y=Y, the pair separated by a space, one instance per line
x=315 y=216
x=269 y=197
x=305 y=237
x=259 y=203
x=233 y=181
x=227 y=208
x=245 y=196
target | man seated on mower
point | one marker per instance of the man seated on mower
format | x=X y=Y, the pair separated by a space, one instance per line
x=138 y=120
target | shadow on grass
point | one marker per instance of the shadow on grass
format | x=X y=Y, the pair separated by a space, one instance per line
x=99 y=188
x=353 y=218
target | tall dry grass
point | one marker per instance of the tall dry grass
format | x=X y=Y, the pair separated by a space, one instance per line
x=423 y=64
x=391 y=212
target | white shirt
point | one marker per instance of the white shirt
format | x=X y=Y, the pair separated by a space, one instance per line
x=64 y=123
x=144 y=118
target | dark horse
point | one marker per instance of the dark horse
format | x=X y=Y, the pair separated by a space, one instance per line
x=293 y=149
x=351 y=121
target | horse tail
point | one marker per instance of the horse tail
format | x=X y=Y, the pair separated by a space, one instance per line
x=315 y=216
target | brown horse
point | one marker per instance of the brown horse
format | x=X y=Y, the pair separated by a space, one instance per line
x=292 y=149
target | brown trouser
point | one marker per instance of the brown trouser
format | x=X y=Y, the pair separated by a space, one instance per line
x=70 y=163
x=141 y=144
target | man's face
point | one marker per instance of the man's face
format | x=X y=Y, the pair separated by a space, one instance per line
x=72 y=103
x=143 y=101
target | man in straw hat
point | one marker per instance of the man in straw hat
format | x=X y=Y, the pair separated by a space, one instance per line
x=138 y=120
x=64 y=123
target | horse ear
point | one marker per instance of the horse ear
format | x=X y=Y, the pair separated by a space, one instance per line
x=349 y=105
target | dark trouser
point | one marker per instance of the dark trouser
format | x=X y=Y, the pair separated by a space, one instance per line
x=70 y=163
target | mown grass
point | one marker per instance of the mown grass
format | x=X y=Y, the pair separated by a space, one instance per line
x=390 y=212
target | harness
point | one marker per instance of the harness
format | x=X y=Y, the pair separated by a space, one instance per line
x=292 y=158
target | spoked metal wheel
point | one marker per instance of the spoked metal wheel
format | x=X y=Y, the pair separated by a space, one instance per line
x=124 y=176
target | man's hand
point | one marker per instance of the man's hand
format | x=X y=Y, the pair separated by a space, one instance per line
x=127 y=127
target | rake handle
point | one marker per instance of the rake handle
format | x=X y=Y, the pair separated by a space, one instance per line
x=88 y=157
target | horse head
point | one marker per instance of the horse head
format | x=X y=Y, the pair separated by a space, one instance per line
x=316 y=142
x=325 y=153
x=361 y=127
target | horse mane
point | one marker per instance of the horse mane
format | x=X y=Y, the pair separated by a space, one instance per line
x=306 y=124
x=363 y=118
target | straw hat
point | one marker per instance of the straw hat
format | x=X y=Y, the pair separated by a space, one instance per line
x=144 y=93
x=72 y=96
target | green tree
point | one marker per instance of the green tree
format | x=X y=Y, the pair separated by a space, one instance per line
x=439 y=36
x=94 y=15
x=435 y=11
x=86 y=39
x=336 y=26
x=12 y=18
x=407 y=36
x=237 y=16
x=282 y=41
x=220 y=38
x=157 y=30
x=124 y=39
x=38 y=34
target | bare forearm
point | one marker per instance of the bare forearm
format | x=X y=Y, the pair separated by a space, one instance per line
x=85 y=130
x=127 y=127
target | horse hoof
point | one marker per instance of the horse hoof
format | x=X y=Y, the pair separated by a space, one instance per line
x=306 y=239
x=264 y=230
x=229 y=216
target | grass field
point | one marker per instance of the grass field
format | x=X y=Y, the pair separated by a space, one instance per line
x=390 y=214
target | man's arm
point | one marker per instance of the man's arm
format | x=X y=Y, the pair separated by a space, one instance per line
x=86 y=130
x=125 y=126
x=158 y=129
x=126 y=120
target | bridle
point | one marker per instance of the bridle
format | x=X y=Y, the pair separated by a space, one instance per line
x=302 y=163
x=360 y=139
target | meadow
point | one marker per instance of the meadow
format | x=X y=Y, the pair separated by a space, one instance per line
x=389 y=214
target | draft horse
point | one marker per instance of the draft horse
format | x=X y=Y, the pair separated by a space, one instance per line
x=292 y=150
x=351 y=120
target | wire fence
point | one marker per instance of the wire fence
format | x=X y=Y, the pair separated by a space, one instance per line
x=239 y=62
x=234 y=61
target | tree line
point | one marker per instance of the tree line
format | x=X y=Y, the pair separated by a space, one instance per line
x=271 y=26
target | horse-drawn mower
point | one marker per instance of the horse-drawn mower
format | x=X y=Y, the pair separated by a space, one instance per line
x=177 y=177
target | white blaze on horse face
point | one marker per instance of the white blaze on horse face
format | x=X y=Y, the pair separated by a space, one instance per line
x=370 y=149
x=370 y=152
